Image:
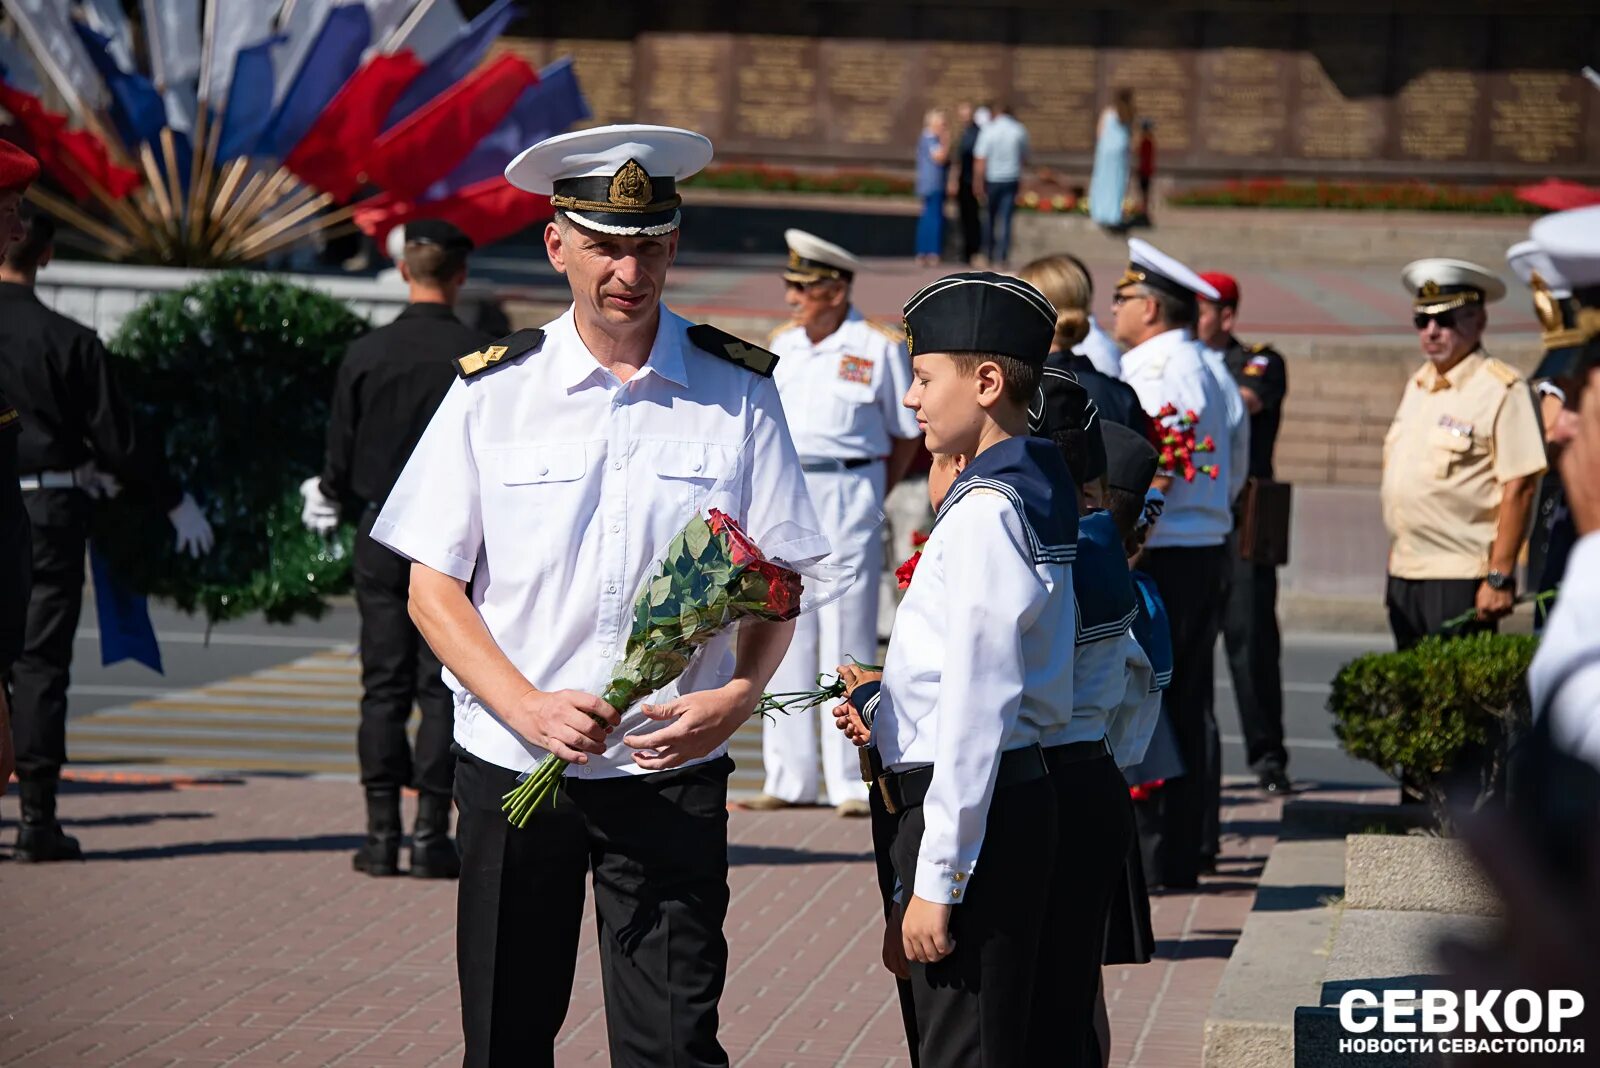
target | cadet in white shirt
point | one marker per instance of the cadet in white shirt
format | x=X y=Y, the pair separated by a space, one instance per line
x=979 y=669
x=1155 y=311
x=1565 y=677
x=536 y=502
x=841 y=377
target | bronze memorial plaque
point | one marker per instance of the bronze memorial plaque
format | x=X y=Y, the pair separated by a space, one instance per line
x=951 y=73
x=605 y=73
x=1055 y=92
x=867 y=87
x=1163 y=92
x=1537 y=116
x=686 y=79
x=774 y=93
x=1244 y=102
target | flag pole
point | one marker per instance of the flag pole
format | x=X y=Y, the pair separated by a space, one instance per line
x=305 y=229
x=169 y=155
x=284 y=222
x=71 y=213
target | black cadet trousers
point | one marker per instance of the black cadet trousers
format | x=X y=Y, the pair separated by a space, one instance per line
x=398 y=669
x=657 y=845
x=39 y=678
x=884 y=828
x=1190 y=581
x=1419 y=608
x=1255 y=651
x=973 y=1007
x=1094 y=832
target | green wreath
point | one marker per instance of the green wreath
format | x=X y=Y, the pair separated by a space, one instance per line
x=234 y=373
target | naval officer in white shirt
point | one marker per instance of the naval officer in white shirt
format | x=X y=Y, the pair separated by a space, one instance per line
x=555 y=470
x=841 y=377
x=1154 y=317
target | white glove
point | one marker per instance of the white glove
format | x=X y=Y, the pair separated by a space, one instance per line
x=99 y=485
x=194 y=533
x=320 y=515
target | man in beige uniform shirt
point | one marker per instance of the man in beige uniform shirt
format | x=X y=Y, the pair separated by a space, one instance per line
x=1460 y=463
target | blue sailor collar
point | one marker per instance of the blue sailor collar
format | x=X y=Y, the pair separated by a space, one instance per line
x=1101 y=584
x=1030 y=473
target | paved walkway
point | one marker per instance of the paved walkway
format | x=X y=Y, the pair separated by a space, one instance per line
x=217 y=922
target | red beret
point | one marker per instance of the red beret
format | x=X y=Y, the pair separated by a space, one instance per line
x=1226 y=287
x=17 y=168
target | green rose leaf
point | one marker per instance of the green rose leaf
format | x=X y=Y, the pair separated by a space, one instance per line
x=697 y=536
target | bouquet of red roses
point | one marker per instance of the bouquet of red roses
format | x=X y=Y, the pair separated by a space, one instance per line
x=711 y=577
x=1178 y=445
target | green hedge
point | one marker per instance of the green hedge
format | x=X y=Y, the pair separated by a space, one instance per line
x=235 y=374
x=1437 y=713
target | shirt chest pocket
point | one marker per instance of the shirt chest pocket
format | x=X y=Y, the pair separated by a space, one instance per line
x=689 y=472
x=1451 y=451
x=551 y=465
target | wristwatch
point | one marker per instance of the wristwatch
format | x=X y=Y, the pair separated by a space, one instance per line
x=1499 y=580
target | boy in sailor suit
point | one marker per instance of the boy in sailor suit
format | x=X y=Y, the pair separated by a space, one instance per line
x=979 y=669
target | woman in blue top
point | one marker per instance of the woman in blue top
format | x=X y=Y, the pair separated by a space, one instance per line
x=933 y=168
x=1108 y=185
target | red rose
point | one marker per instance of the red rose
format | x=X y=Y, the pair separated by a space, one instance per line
x=741 y=550
x=782 y=599
x=904 y=572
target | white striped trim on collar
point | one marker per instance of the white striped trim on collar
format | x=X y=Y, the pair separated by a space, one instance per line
x=1042 y=553
x=1100 y=631
x=1022 y=289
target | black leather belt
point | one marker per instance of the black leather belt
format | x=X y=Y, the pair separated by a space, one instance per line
x=1075 y=752
x=902 y=790
x=834 y=464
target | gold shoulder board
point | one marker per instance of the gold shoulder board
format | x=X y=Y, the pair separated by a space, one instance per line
x=1505 y=374
x=506 y=349
x=894 y=334
x=724 y=345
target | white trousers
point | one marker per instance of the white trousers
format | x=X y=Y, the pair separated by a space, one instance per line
x=849 y=505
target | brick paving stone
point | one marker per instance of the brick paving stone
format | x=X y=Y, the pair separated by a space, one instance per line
x=221 y=924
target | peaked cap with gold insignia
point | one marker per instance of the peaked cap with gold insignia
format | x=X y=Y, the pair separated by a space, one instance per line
x=618 y=180
x=1438 y=284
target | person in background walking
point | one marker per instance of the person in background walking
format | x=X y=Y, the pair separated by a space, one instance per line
x=1108 y=184
x=966 y=199
x=1147 y=165
x=933 y=169
x=1000 y=155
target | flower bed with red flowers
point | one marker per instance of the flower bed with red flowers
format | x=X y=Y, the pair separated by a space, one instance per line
x=768 y=179
x=1356 y=196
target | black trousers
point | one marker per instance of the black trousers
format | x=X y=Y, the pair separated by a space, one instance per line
x=973 y=1006
x=658 y=847
x=1421 y=607
x=1255 y=649
x=884 y=828
x=1094 y=833
x=40 y=677
x=971 y=223
x=1190 y=581
x=397 y=670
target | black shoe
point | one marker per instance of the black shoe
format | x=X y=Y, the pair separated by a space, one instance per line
x=40 y=838
x=1275 y=781
x=433 y=854
x=379 y=855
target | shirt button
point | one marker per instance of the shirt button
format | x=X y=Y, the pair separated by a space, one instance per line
x=611 y=588
x=697 y=465
x=616 y=528
x=606 y=651
x=956 y=892
x=544 y=470
x=616 y=465
x=960 y=875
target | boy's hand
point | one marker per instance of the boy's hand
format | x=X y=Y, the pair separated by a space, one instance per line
x=894 y=952
x=847 y=719
x=853 y=675
x=925 y=931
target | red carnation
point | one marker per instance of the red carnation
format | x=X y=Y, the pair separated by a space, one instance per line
x=1207 y=445
x=1190 y=416
x=1166 y=411
x=903 y=573
x=918 y=539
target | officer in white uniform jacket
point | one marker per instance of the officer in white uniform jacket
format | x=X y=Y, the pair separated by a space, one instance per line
x=842 y=378
x=1155 y=311
x=534 y=506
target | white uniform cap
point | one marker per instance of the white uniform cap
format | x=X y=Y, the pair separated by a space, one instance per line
x=812 y=259
x=1571 y=239
x=1528 y=258
x=1438 y=284
x=1149 y=266
x=614 y=179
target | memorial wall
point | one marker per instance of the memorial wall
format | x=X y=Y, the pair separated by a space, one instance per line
x=1469 y=91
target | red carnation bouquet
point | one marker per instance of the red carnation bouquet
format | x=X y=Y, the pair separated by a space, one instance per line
x=1176 y=432
x=711 y=576
x=903 y=573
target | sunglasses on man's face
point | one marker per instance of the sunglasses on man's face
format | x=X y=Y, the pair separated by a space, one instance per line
x=1445 y=319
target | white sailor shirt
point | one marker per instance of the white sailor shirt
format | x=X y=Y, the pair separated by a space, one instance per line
x=1111 y=676
x=1564 y=679
x=1168 y=369
x=980 y=657
x=552 y=487
x=843 y=395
